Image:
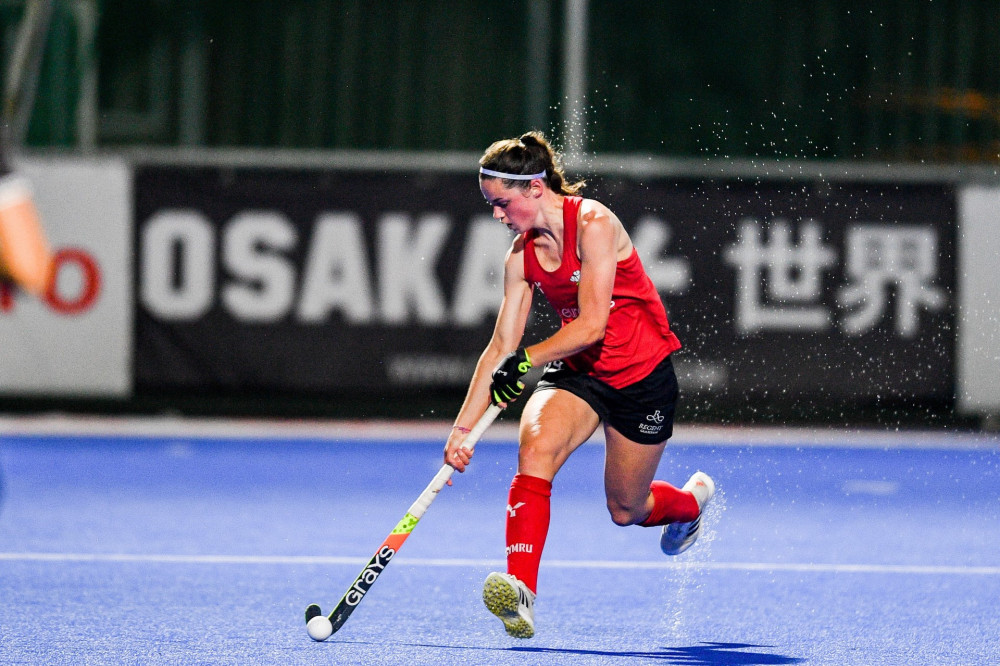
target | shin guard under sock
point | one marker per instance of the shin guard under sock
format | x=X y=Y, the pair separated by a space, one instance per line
x=527 y=526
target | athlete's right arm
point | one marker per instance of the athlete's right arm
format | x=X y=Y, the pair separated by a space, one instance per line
x=507 y=334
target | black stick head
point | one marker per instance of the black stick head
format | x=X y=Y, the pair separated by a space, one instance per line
x=312 y=610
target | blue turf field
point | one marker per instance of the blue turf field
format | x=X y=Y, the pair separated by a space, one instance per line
x=194 y=550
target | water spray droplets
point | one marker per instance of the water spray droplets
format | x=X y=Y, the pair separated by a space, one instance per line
x=685 y=583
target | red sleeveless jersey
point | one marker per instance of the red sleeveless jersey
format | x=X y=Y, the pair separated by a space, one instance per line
x=637 y=337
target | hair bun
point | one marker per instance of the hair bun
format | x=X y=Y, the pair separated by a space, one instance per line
x=530 y=138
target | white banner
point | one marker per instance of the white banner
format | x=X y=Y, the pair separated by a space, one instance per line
x=76 y=340
x=979 y=306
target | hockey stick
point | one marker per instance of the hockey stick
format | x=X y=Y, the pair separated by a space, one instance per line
x=376 y=565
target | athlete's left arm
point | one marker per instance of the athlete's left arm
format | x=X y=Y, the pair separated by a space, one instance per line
x=600 y=236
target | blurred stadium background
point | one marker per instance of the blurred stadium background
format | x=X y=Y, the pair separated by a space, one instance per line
x=264 y=208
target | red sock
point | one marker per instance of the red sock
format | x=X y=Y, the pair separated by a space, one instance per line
x=527 y=526
x=670 y=505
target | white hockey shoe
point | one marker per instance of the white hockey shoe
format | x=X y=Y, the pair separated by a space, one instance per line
x=511 y=601
x=678 y=537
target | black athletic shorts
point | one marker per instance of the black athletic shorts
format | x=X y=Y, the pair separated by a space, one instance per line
x=643 y=411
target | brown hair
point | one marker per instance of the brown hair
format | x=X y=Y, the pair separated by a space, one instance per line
x=529 y=153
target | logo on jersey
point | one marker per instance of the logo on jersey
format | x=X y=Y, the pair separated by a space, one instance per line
x=575 y=277
x=573 y=313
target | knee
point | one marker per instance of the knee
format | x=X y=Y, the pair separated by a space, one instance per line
x=532 y=452
x=539 y=457
x=624 y=514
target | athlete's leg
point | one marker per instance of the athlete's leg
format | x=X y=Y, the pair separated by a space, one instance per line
x=629 y=468
x=554 y=423
x=633 y=496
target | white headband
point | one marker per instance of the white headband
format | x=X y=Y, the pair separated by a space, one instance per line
x=511 y=176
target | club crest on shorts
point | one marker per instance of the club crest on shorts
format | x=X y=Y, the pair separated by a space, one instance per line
x=655 y=424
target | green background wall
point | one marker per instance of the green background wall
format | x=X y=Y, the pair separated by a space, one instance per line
x=897 y=80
